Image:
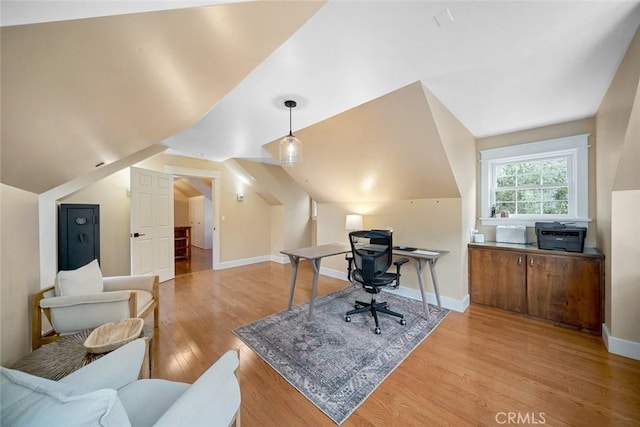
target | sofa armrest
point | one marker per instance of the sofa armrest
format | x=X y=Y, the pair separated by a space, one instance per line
x=214 y=397
x=123 y=283
x=115 y=370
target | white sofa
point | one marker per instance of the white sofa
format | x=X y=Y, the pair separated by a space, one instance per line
x=83 y=299
x=108 y=392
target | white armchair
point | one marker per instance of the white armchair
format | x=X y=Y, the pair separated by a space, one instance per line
x=108 y=392
x=83 y=299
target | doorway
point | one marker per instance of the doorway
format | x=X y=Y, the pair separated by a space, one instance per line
x=193 y=210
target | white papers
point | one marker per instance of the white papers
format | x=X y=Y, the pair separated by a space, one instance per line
x=423 y=252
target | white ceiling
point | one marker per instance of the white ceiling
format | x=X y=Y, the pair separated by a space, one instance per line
x=498 y=66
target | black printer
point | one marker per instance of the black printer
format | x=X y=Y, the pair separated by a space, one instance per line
x=559 y=237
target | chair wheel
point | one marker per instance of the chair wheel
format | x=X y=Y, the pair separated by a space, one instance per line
x=403 y=322
x=347 y=319
x=378 y=331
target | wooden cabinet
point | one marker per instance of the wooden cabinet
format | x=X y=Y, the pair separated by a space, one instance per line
x=565 y=288
x=503 y=284
x=182 y=244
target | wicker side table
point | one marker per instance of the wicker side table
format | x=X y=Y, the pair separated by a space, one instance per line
x=68 y=354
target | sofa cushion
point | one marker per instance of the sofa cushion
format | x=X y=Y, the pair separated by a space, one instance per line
x=31 y=400
x=85 y=280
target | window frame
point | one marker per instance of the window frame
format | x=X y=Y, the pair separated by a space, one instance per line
x=574 y=148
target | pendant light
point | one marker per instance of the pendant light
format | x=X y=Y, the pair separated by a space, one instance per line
x=290 y=146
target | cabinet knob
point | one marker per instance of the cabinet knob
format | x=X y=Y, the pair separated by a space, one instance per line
x=519 y=260
x=531 y=262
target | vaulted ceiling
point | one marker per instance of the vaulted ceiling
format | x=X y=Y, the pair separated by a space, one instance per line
x=210 y=81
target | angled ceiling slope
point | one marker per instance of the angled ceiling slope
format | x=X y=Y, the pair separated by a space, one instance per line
x=78 y=93
x=628 y=173
x=385 y=149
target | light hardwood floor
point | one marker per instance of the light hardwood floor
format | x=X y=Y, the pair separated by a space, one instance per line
x=477 y=368
x=201 y=259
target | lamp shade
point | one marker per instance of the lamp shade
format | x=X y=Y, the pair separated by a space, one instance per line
x=290 y=150
x=353 y=222
x=290 y=146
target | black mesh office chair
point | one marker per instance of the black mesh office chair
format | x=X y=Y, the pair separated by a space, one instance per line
x=372 y=256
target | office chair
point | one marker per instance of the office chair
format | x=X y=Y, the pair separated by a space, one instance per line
x=372 y=256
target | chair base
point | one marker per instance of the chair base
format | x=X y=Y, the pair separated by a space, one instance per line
x=374 y=308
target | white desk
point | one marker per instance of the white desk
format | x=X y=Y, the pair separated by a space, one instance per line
x=314 y=254
x=421 y=258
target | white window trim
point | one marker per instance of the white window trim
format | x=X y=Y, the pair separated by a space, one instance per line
x=577 y=146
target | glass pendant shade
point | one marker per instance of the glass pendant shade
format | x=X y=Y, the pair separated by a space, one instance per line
x=290 y=146
x=290 y=150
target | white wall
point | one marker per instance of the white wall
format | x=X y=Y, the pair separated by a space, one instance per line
x=20 y=270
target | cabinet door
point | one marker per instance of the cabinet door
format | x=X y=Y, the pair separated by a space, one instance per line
x=565 y=289
x=497 y=278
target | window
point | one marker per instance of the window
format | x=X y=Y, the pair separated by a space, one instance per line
x=545 y=180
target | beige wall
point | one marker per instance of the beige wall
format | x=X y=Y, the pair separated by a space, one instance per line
x=625 y=273
x=20 y=272
x=427 y=223
x=296 y=223
x=180 y=209
x=111 y=194
x=614 y=124
x=433 y=223
x=459 y=146
x=576 y=127
x=245 y=231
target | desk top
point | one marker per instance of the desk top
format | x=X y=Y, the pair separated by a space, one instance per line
x=418 y=253
x=321 y=251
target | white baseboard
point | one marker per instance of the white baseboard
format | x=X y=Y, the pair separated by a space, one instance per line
x=448 y=303
x=244 y=261
x=620 y=346
x=280 y=259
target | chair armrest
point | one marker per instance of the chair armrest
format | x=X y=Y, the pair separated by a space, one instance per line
x=124 y=283
x=75 y=313
x=115 y=370
x=214 y=398
x=71 y=300
x=400 y=261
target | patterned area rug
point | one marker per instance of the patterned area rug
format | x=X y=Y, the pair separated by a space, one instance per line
x=335 y=364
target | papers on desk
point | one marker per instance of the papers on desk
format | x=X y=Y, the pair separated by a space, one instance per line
x=423 y=252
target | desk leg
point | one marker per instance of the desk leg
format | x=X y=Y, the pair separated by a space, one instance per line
x=419 y=267
x=315 y=265
x=432 y=270
x=294 y=274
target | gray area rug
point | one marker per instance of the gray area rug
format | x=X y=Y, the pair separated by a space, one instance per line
x=335 y=364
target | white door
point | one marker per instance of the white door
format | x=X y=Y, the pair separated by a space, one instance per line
x=196 y=221
x=152 y=223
